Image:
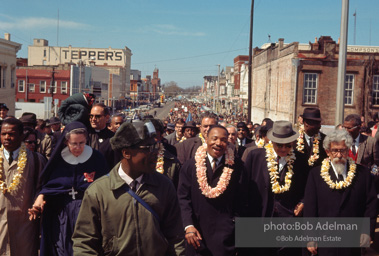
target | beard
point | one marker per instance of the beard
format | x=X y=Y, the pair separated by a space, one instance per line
x=339 y=165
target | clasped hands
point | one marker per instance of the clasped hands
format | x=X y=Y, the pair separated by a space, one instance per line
x=37 y=208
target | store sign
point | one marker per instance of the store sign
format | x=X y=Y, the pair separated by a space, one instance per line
x=92 y=54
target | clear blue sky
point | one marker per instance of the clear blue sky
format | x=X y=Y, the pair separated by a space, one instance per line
x=184 y=39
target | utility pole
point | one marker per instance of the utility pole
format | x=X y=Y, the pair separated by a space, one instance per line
x=218 y=89
x=355 y=26
x=52 y=86
x=342 y=63
x=249 y=87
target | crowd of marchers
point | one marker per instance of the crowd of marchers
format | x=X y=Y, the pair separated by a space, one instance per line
x=90 y=183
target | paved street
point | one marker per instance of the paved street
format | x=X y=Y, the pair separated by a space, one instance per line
x=163 y=111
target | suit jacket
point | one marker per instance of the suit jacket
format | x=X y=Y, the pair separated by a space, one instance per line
x=368 y=151
x=171 y=139
x=249 y=147
x=308 y=151
x=261 y=201
x=357 y=200
x=187 y=149
x=241 y=149
x=101 y=142
x=212 y=217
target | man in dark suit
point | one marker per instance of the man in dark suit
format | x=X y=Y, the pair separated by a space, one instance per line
x=187 y=149
x=242 y=138
x=208 y=212
x=355 y=198
x=274 y=197
x=310 y=139
x=176 y=136
x=365 y=150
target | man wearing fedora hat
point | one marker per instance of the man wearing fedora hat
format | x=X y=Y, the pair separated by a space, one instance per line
x=274 y=180
x=310 y=140
x=134 y=209
x=190 y=130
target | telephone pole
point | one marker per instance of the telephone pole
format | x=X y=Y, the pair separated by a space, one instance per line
x=249 y=87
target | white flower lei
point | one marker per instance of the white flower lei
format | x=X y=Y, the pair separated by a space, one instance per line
x=160 y=160
x=201 y=172
x=21 y=163
x=260 y=143
x=315 y=150
x=272 y=166
x=341 y=184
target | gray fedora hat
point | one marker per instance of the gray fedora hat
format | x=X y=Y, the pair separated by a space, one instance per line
x=282 y=132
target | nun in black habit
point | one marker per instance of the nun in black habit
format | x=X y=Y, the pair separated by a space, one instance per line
x=72 y=167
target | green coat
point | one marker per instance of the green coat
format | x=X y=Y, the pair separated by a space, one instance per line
x=111 y=223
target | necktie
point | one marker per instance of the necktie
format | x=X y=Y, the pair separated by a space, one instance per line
x=214 y=164
x=353 y=148
x=134 y=185
x=340 y=177
x=10 y=157
x=311 y=142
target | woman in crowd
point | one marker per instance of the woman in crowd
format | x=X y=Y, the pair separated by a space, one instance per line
x=70 y=170
x=30 y=139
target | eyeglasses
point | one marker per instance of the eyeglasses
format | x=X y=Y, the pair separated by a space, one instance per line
x=350 y=128
x=241 y=129
x=335 y=151
x=80 y=144
x=288 y=145
x=31 y=141
x=151 y=148
x=95 y=116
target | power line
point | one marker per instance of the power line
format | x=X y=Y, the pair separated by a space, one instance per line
x=190 y=57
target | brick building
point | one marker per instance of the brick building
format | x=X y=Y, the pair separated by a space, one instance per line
x=286 y=78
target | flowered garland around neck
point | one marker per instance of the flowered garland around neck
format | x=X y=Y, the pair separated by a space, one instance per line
x=340 y=184
x=272 y=166
x=315 y=150
x=261 y=143
x=21 y=163
x=202 y=139
x=201 y=172
x=160 y=160
x=183 y=139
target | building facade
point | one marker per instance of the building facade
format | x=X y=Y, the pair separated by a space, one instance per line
x=287 y=78
x=8 y=60
x=117 y=61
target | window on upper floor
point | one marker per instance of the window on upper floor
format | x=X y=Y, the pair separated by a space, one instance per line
x=21 y=86
x=310 y=88
x=375 y=90
x=349 y=89
x=54 y=87
x=31 y=87
x=42 y=86
x=64 y=87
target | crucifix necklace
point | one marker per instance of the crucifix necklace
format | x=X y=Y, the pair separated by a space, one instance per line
x=73 y=193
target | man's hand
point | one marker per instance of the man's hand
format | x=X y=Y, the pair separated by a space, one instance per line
x=365 y=240
x=312 y=247
x=193 y=236
x=37 y=208
x=299 y=209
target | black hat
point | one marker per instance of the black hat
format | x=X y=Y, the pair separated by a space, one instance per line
x=242 y=125
x=131 y=134
x=311 y=114
x=190 y=124
x=53 y=120
x=171 y=126
x=28 y=118
x=282 y=132
x=3 y=105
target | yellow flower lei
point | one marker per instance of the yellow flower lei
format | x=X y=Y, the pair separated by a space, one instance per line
x=261 y=143
x=160 y=161
x=272 y=166
x=21 y=163
x=315 y=150
x=202 y=138
x=182 y=139
x=341 y=184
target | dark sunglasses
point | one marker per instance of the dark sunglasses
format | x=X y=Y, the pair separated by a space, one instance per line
x=288 y=145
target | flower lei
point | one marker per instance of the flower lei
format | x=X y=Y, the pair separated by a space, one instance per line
x=160 y=161
x=272 y=166
x=300 y=146
x=201 y=172
x=182 y=139
x=202 y=138
x=261 y=143
x=340 y=184
x=21 y=163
